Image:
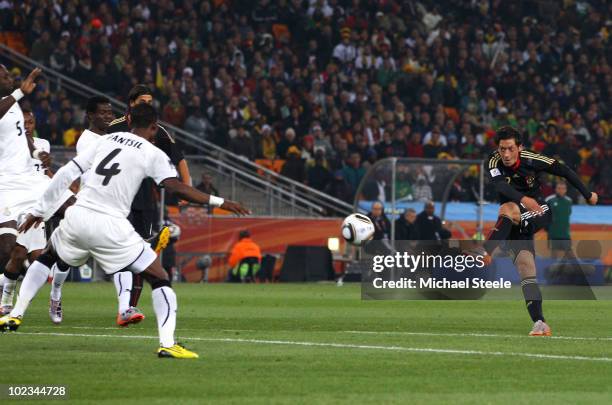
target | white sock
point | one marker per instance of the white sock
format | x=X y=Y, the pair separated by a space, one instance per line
x=164 y=303
x=34 y=279
x=8 y=292
x=123 y=283
x=58 y=281
x=2 y=278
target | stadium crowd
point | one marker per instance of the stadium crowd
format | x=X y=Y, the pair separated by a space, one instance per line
x=332 y=86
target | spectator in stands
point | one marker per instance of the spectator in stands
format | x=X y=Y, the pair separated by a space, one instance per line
x=206 y=185
x=174 y=111
x=61 y=59
x=242 y=144
x=339 y=188
x=353 y=172
x=244 y=259
x=430 y=226
x=405 y=226
x=268 y=143
x=319 y=176
x=288 y=141
x=422 y=190
x=294 y=167
x=382 y=225
x=292 y=64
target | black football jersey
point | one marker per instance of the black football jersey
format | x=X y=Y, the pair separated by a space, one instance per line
x=523 y=177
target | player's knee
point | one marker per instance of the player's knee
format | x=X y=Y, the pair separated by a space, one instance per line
x=48 y=258
x=510 y=210
x=7 y=243
x=158 y=283
x=19 y=254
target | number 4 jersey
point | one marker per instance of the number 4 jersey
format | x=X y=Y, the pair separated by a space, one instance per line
x=117 y=164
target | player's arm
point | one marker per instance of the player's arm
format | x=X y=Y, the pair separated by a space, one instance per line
x=560 y=169
x=43 y=209
x=499 y=181
x=188 y=193
x=27 y=86
x=183 y=170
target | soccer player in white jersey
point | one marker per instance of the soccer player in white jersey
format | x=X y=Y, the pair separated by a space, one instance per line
x=29 y=245
x=17 y=181
x=97 y=226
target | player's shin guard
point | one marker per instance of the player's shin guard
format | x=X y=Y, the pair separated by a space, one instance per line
x=136 y=290
x=34 y=279
x=8 y=290
x=59 y=277
x=123 y=285
x=164 y=303
x=533 y=298
x=500 y=232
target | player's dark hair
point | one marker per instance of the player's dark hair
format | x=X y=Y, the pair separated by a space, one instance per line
x=26 y=110
x=139 y=90
x=507 y=132
x=142 y=116
x=93 y=102
x=244 y=234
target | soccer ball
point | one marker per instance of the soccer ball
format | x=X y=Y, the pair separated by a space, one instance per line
x=357 y=229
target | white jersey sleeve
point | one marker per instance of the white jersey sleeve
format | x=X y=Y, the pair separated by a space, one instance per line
x=85 y=140
x=42 y=144
x=85 y=158
x=160 y=166
x=36 y=164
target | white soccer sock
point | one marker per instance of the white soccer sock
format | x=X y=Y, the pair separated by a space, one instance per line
x=164 y=303
x=58 y=281
x=2 y=278
x=123 y=283
x=8 y=292
x=34 y=279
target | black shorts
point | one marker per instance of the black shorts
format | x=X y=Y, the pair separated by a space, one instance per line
x=521 y=236
x=145 y=223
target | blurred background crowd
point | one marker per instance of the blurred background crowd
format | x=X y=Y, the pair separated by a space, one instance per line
x=332 y=86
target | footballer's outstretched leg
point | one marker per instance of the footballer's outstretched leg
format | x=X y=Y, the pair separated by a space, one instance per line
x=12 y=271
x=165 y=306
x=525 y=264
x=35 y=278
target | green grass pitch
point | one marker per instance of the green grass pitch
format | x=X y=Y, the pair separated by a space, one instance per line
x=314 y=343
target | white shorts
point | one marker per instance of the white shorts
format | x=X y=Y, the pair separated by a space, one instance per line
x=33 y=239
x=111 y=241
x=20 y=193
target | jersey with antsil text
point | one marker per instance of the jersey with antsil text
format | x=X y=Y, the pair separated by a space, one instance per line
x=522 y=178
x=117 y=164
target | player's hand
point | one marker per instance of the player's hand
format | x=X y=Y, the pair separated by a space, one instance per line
x=593 y=199
x=45 y=158
x=235 y=207
x=532 y=205
x=28 y=85
x=30 y=221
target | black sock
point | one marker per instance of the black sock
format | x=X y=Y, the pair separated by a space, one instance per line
x=500 y=232
x=533 y=298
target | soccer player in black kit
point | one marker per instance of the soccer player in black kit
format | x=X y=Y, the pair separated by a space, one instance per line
x=514 y=171
x=144 y=215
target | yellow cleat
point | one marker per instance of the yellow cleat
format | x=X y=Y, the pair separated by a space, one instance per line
x=177 y=352
x=161 y=240
x=8 y=323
